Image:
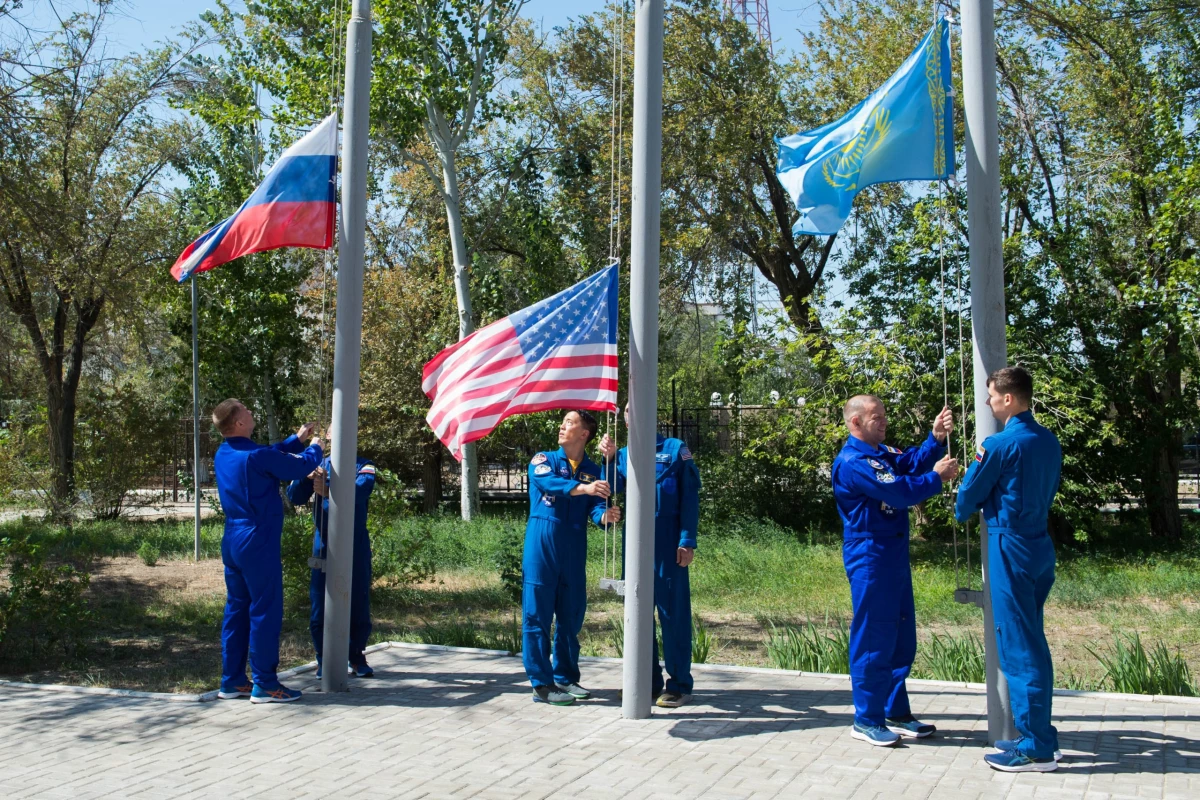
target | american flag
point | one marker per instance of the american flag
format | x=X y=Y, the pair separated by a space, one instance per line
x=559 y=353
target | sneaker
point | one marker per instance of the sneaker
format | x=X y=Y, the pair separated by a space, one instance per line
x=874 y=734
x=231 y=691
x=574 y=689
x=280 y=694
x=909 y=727
x=362 y=670
x=544 y=694
x=1012 y=761
x=318 y=670
x=1005 y=745
x=672 y=700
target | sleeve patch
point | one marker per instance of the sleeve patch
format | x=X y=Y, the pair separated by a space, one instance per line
x=366 y=469
x=893 y=450
x=540 y=458
x=542 y=469
x=980 y=452
x=885 y=477
x=685 y=454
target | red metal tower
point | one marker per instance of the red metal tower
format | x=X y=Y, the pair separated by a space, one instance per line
x=756 y=16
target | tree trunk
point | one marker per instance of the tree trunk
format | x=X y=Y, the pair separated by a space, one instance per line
x=61 y=421
x=1160 y=489
x=431 y=478
x=462 y=293
x=268 y=400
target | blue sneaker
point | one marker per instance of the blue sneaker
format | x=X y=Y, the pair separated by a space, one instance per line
x=874 y=734
x=279 y=694
x=362 y=670
x=1012 y=761
x=908 y=727
x=230 y=691
x=1005 y=745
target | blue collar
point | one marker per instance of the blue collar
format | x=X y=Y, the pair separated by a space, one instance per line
x=240 y=442
x=861 y=446
x=1024 y=418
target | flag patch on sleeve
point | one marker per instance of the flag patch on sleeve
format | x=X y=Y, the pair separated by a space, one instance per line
x=685 y=454
x=980 y=452
x=366 y=469
x=893 y=450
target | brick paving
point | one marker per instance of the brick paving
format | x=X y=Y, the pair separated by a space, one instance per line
x=451 y=723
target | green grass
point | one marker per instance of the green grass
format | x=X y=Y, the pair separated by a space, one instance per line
x=762 y=594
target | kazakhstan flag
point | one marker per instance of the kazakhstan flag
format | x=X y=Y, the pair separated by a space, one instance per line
x=904 y=131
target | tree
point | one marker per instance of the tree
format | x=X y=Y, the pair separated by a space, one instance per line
x=81 y=221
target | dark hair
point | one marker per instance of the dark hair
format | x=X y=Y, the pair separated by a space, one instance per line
x=224 y=413
x=589 y=422
x=1013 y=380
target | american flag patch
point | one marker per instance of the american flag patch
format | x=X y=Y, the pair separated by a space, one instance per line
x=685 y=454
x=366 y=469
x=980 y=453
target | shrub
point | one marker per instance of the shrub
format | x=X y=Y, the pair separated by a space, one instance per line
x=1130 y=669
x=509 y=558
x=401 y=554
x=43 y=606
x=149 y=553
x=807 y=649
x=951 y=658
x=295 y=549
x=704 y=644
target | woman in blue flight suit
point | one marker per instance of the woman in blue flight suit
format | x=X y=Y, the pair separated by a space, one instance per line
x=248 y=477
x=676 y=516
x=299 y=493
x=874 y=485
x=565 y=490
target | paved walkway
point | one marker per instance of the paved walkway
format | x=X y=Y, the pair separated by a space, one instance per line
x=448 y=723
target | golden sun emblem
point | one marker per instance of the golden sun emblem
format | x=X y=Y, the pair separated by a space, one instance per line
x=842 y=168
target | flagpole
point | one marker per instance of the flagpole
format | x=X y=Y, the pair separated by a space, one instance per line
x=986 y=255
x=643 y=355
x=196 y=407
x=347 y=349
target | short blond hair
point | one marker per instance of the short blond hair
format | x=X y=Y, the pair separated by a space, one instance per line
x=225 y=413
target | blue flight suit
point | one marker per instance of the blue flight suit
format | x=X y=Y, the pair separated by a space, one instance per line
x=874 y=488
x=248 y=477
x=676 y=517
x=1014 y=479
x=555 y=566
x=300 y=492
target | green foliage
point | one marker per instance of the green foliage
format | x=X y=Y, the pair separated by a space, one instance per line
x=1130 y=669
x=123 y=438
x=401 y=554
x=42 y=608
x=704 y=644
x=295 y=549
x=807 y=649
x=616 y=634
x=509 y=560
x=149 y=553
x=465 y=633
x=951 y=658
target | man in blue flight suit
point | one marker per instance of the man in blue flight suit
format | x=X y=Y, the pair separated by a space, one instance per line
x=565 y=490
x=1014 y=479
x=248 y=477
x=299 y=492
x=874 y=485
x=676 y=517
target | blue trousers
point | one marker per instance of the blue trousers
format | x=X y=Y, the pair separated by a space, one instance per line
x=360 y=602
x=1022 y=572
x=554 y=594
x=253 y=602
x=673 y=600
x=883 y=631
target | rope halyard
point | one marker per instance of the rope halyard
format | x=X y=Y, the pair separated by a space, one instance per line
x=616 y=129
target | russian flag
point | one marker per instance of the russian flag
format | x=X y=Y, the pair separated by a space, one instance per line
x=295 y=206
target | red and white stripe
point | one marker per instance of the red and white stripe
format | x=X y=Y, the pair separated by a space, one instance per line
x=485 y=378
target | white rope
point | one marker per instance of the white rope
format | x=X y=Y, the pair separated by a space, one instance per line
x=616 y=151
